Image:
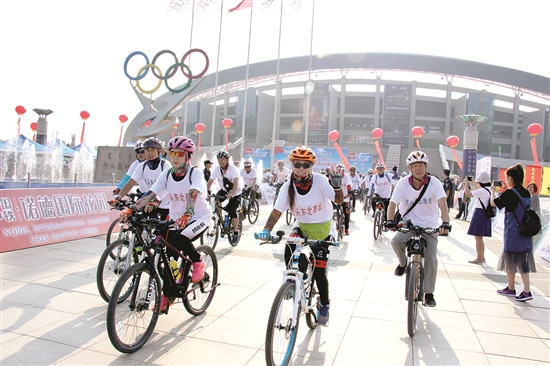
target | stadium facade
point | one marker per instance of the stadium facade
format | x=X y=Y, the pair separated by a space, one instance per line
x=355 y=93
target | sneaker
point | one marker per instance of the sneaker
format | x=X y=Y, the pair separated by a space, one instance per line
x=399 y=271
x=346 y=232
x=524 y=296
x=506 y=292
x=429 y=300
x=198 y=271
x=476 y=261
x=323 y=315
x=457 y=217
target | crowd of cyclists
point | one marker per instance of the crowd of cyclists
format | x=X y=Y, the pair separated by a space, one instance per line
x=181 y=191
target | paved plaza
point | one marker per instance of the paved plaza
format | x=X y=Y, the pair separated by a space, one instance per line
x=52 y=314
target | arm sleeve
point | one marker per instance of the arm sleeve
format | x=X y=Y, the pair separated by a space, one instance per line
x=123 y=181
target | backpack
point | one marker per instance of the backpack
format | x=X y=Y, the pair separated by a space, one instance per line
x=489 y=211
x=387 y=177
x=190 y=173
x=530 y=224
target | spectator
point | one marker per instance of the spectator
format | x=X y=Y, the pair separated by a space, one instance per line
x=518 y=249
x=535 y=201
x=206 y=171
x=480 y=225
x=448 y=188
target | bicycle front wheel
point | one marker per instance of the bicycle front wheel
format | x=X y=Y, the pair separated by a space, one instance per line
x=198 y=296
x=114 y=236
x=281 y=335
x=211 y=235
x=112 y=264
x=253 y=212
x=413 y=294
x=131 y=322
x=377 y=226
x=314 y=303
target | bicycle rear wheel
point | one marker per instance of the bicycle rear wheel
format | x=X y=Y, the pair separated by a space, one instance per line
x=280 y=335
x=131 y=322
x=413 y=294
x=198 y=296
x=377 y=226
x=112 y=264
x=314 y=301
x=230 y=235
x=253 y=212
x=211 y=235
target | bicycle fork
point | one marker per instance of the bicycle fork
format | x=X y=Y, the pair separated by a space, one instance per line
x=297 y=278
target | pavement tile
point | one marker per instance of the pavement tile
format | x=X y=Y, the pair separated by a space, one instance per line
x=497 y=324
x=26 y=350
x=360 y=351
x=514 y=346
x=90 y=357
x=427 y=355
x=512 y=361
x=541 y=327
x=430 y=334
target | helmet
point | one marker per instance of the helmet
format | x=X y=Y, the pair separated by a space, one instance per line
x=370 y=171
x=280 y=162
x=247 y=163
x=303 y=153
x=138 y=145
x=340 y=167
x=417 y=157
x=153 y=142
x=380 y=165
x=352 y=168
x=183 y=143
x=222 y=154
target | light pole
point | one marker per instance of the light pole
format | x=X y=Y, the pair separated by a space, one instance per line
x=498 y=166
x=470 y=139
x=42 y=125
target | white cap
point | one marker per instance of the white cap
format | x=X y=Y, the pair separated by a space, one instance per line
x=483 y=177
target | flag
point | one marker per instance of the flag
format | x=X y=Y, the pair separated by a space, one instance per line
x=242 y=5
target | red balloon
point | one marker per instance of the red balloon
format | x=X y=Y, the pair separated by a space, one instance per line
x=84 y=115
x=417 y=131
x=377 y=133
x=453 y=141
x=122 y=118
x=148 y=123
x=199 y=127
x=333 y=135
x=34 y=125
x=534 y=129
x=227 y=122
x=20 y=110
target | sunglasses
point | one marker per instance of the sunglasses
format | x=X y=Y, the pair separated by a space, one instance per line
x=305 y=165
x=140 y=151
x=179 y=154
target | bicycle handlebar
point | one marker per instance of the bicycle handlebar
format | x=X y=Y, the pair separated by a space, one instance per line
x=297 y=240
x=407 y=226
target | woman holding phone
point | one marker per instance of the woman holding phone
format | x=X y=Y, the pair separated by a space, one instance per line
x=480 y=225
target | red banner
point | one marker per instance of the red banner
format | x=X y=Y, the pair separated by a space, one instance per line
x=457 y=159
x=341 y=154
x=533 y=174
x=35 y=217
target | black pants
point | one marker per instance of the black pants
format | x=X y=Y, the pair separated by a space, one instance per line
x=345 y=209
x=182 y=243
x=232 y=205
x=385 y=201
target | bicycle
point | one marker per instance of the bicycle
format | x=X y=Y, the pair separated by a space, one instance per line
x=367 y=202
x=354 y=195
x=338 y=218
x=133 y=198
x=298 y=293
x=414 y=279
x=277 y=189
x=220 y=224
x=250 y=208
x=135 y=303
x=379 y=221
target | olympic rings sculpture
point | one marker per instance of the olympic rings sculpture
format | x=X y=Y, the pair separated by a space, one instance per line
x=172 y=70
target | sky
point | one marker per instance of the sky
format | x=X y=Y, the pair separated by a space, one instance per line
x=68 y=55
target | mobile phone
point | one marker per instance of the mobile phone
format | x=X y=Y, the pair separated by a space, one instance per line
x=470 y=179
x=497 y=183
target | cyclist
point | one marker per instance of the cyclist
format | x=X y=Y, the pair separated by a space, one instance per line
x=228 y=178
x=381 y=184
x=249 y=178
x=309 y=195
x=185 y=188
x=140 y=156
x=425 y=214
x=280 y=175
x=346 y=188
x=355 y=185
x=365 y=183
x=147 y=173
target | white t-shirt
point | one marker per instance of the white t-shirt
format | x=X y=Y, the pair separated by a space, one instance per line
x=230 y=174
x=313 y=207
x=248 y=178
x=281 y=175
x=346 y=180
x=366 y=180
x=177 y=194
x=355 y=181
x=382 y=185
x=484 y=195
x=146 y=177
x=132 y=168
x=426 y=212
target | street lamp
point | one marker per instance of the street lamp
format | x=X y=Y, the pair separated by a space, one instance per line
x=469 y=140
x=42 y=125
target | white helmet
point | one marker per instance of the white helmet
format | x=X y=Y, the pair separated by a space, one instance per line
x=417 y=157
x=340 y=167
x=247 y=163
x=404 y=174
x=380 y=165
x=370 y=171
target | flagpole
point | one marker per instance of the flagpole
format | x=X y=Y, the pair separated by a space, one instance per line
x=308 y=94
x=277 y=96
x=186 y=109
x=216 y=84
x=246 y=85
